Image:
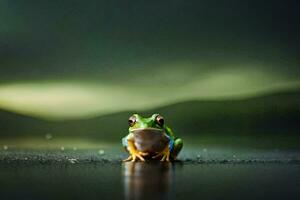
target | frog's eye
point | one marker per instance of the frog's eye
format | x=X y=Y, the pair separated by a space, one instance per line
x=131 y=120
x=160 y=120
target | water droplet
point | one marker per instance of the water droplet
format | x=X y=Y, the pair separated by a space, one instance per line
x=5 y=147
x=101 y=152
x=73 y=160
x=205 y=150
x=74 y=148
x=62 y=148
x=48 y=136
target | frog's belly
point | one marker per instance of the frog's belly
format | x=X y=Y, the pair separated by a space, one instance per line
x=150 y=141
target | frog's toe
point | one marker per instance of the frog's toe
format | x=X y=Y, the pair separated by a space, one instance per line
x=137 y=156
x=128 y=159
x=159 y=154
x=166 y=157
x=144 y=153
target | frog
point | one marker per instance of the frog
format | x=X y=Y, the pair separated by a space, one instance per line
x=149 y=138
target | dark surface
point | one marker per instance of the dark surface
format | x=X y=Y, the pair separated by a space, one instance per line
x=114 y=153
x=201 y=173
x=109 y=180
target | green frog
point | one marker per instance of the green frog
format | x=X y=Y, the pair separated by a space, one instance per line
x=150 y=138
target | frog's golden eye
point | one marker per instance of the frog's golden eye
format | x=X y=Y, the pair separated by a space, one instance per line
x=160 y=120
x=131 y=120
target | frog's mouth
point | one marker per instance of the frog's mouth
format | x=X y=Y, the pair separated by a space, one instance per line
x=147 y=130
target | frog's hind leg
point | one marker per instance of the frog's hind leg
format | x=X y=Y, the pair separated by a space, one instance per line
x=178 y=144
x=171 y=151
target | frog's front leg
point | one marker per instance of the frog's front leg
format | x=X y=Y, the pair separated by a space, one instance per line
x=171 y=150
x=128 y=143
x=166 y=152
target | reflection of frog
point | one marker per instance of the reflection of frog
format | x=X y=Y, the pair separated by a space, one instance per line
x=149 y=180
x=150 y=138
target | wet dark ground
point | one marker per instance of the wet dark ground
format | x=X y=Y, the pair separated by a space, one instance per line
x=150 y=181
x=201 y=173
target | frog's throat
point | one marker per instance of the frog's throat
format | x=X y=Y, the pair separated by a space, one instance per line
x=139 y=129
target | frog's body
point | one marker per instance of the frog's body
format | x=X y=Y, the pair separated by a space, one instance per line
x=151 y=138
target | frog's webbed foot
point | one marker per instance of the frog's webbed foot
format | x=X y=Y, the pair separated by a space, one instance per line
x=164 y=155
x=135 y=155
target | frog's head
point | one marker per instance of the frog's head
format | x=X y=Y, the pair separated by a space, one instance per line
x=137 y=122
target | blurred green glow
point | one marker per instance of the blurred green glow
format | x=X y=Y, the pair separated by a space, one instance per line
x=82 y=99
